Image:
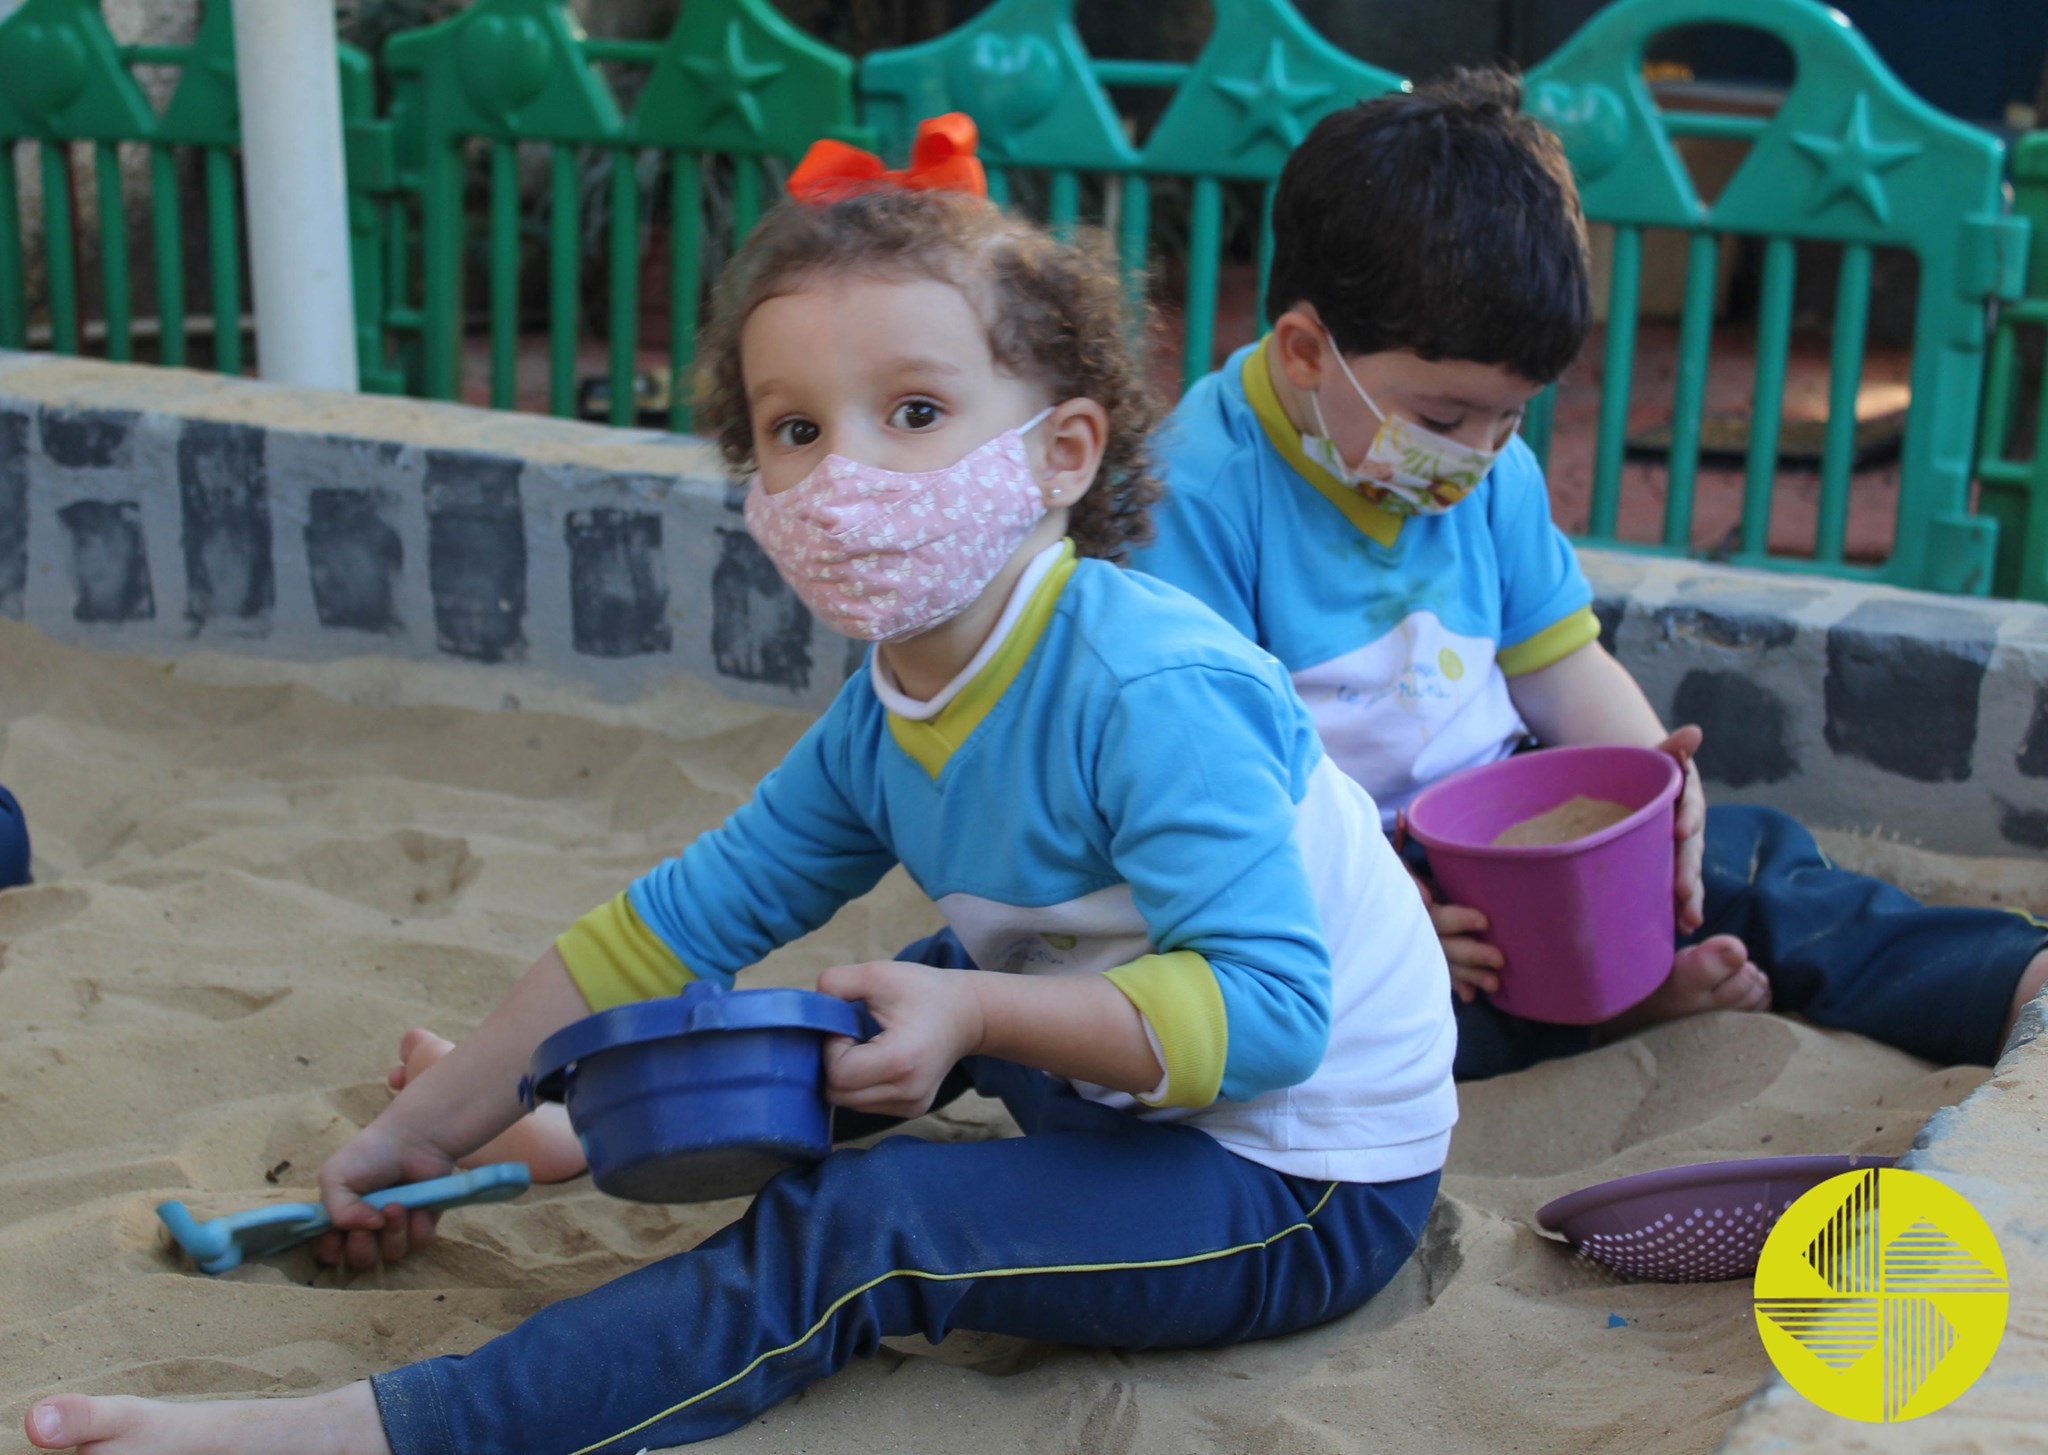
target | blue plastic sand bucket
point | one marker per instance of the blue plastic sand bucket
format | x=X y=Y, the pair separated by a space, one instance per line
x=703 y=1095
x=13 y=842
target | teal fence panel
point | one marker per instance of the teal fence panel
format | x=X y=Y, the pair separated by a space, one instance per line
x=732 y=91
x=736 y=81
x=1850 y=157
x=65 y=82
x=2013 y=464
x=505 y=113
x=1041 y=102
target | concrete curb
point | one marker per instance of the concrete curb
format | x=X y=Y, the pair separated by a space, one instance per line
x=1847 y=705
x=159 y=510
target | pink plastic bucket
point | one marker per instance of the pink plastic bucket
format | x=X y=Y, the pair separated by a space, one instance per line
x=1587 y=927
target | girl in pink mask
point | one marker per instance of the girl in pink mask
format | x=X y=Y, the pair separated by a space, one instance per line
x=1177 y=945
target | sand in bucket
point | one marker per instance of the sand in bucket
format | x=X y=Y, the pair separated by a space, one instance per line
x=1577 y=817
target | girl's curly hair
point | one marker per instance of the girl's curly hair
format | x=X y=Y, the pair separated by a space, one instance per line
x=1055 y=310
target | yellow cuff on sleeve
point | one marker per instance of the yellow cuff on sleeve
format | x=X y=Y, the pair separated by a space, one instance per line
x=614 y=958
x=1178 y=995
x=1553 y=644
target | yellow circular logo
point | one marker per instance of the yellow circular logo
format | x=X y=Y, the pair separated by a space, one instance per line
x=1447 y=662
x=1881 y=1295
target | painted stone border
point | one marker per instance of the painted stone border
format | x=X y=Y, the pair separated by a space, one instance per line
x=1848 y=706
x=156 y=510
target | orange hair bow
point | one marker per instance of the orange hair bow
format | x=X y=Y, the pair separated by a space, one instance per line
x=941 y=160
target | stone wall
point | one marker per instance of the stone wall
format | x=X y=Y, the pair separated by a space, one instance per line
x=159 y=510
x=156 y=510
x=1849 y=706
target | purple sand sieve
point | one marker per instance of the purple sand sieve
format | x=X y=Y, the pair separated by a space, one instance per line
x=1694 y=1224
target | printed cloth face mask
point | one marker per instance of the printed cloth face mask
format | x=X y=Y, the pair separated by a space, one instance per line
x=882 y=554
x=1409 y=470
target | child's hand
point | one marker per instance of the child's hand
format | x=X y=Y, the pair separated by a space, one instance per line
x=1690 y=829
x=930 y=1018
x=376 y=1158
x=1475 y=964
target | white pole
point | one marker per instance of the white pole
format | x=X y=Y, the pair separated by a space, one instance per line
x=295 y=191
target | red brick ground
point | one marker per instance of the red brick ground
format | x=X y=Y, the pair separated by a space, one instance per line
x=1717 y=497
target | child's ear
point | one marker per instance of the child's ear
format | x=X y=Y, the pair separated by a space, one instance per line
x=1072 y=440
x=1299 y=347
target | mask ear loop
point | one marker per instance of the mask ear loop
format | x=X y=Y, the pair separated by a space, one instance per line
x=1345 y=364
x=1052 y=496
x=1315 y=402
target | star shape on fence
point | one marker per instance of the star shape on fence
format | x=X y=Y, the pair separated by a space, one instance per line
x=1852 y=164
x=730 y=80
x=1270 y=101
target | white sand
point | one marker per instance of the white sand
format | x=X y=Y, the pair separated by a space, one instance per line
x=253 y=877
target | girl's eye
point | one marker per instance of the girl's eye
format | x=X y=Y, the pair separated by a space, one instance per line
x=794 y=433
x=915 y=414
x=1438 y=426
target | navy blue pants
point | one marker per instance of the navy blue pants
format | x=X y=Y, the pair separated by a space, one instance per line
x=1843 y=950
x=1094 y=1228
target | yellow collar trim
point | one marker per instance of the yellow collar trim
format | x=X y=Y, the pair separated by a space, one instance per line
x=1381 y=525
x=932 y=742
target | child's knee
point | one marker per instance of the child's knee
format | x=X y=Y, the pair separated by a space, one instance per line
x=1754 y=827
x=857 y=1197
x=1748 y=845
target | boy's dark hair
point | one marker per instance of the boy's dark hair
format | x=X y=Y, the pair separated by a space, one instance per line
x=1055 y=313
x=1443 y=222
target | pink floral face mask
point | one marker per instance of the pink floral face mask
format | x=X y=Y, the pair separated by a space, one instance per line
x=881 y=554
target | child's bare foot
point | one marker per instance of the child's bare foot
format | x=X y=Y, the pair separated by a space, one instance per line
x=543 y=1139
x=1715 y=974
x=341 y=1422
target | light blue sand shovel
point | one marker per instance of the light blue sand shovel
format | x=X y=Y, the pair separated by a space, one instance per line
x=223 y=1242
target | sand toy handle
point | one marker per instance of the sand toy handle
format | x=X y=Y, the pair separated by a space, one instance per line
x=222 y=1243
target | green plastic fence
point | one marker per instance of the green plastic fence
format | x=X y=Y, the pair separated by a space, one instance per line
x=734 y=78
x=2014 y=491
x=734 y=91
x=64 y=81
x=1022 y=72
x=1849 y=157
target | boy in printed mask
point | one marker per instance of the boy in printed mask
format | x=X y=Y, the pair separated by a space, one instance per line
x=1351 y=493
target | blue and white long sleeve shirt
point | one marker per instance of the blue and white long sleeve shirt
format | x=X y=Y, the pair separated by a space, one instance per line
x=1118 y=784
